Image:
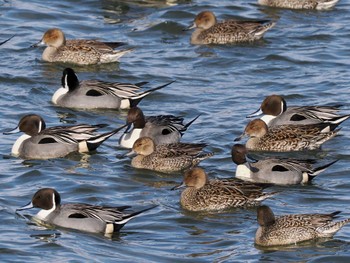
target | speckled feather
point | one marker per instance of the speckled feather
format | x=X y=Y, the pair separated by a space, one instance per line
x=291 y=229
x=234 y=31
x=299 y=4
x=221 y=194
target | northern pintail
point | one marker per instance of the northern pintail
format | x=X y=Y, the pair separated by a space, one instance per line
x=282 y=171
x=167 y=157
x=276 y=112
x=292 y=229
x=78 y=51
x=300 y=4
x=208 y=31
x=285 y=138
x=202 y=194
x=40 y=142
x=83 y=217
x=163 y=129
x=96 y=94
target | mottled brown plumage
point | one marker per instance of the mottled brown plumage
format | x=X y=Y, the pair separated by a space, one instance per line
x=291 y=229
x=208 y=31
x=167 y=157
x=285 y=138
x=300 y=4
x=202 y=194
x=78 y=51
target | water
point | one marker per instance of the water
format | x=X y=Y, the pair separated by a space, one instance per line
x=305 y=57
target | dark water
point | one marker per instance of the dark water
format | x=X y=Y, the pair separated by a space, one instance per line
x=305 y=57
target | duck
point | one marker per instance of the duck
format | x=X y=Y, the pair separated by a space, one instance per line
x=97 y=94
x=209 y=31
x=39 y=142
x=300 y=4
x=280 y=171
x=285 y=138
x=275 y=112
x=204 y=194
x=83 y=217
x=163 y=129
x=78 y=51
x=294 y=228
x=166 y=158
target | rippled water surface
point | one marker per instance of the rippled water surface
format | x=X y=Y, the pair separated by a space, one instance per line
x=305 y=57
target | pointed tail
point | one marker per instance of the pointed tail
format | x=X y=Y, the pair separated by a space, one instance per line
x=119 y=224
x=94 y=142
x=320 y=169
x=134 y=101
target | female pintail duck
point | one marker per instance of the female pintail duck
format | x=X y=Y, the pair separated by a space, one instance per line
x=276 y=112
x=40 y=142
x=208 y=31
x=78 y=51
x=300 y=4
x=292 y=229
x=202 y=194
x=96 y=94
x=281 y=171
x=167 y=157
x=84 y=217
x=163 y=129
x=285 y=138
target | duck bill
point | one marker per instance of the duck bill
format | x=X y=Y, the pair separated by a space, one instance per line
x=182 y=185
x=132 y=153
x=28 y=206
x=129 y=128
x=189 y=27
x=39 y=44
x=256 y=113
x=240 y=137
x=12 y=131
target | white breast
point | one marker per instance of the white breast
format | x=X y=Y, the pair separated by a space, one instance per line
x=17 y=145
x=243 y=172
x=127 y=140
x=58 y=94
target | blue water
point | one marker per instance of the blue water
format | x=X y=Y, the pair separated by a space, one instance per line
x=305 y=57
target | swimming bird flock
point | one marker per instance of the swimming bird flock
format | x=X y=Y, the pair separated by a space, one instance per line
x=156 y=142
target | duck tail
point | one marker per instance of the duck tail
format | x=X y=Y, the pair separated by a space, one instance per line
x=265 y=195
x=134 y=101
x=119 y=224
x=190 y=122
x=114 y=44
x=338 y=120
x=94 y=142
x=331 y=228
x=265 y=25
x=320 y=169
x=326 y=4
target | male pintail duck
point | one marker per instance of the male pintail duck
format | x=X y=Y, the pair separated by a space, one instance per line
x=96 y=94
x=285 y=138
x=276 y=112
x=208 y=31
x=163 y=129
x=281 y=171
x=300 y=4
x=40 y=142
x=167 y=158
x=78 y=51
x=84 y=217
x=202 y=194
x=292 y=229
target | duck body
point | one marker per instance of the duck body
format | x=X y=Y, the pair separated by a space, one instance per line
x=293 y=229
x=208 y=31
